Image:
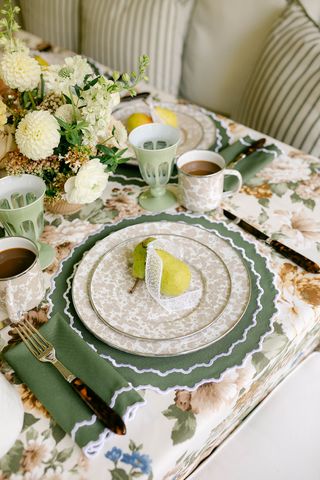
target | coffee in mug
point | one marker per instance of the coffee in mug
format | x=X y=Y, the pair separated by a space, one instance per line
x=200 y=168
x=21 y=278
x=14 y=261
x=201 y=177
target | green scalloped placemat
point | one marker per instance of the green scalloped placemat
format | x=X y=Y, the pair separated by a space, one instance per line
x=194 y=368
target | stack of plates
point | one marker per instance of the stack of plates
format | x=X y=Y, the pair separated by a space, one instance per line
x=134 y=322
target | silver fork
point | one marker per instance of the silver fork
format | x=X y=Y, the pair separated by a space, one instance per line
x=44 y=351
x=41 y=348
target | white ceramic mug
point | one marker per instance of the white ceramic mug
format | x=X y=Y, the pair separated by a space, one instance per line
x=25 y=290
x=202 y=193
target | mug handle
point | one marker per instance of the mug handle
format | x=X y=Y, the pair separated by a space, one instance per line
x=235 y=173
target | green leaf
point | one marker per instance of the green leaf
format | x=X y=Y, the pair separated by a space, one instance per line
x=119 y=474
x=172 y=412
x=57 y=432
x=185 y=424
x=309 y=203
x=184 y=428
x=10 y=463
x=278 y=328
x=104 y=216
x=295 y=198
x=277 y=236
x=32 y=434
x=259 y=361
x=263 y=217
x=264 y=202
x=279 y=188
x=64 y=454
x=28 y=420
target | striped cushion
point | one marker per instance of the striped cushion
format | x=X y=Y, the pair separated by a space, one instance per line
x=116 y=32
x=56 y=21
x=282 y=98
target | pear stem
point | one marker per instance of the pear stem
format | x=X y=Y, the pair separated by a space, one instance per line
x=134 y=286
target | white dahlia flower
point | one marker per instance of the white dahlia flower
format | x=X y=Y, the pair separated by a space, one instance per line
x=37 y=135
x=88 y=184
x=20 y=71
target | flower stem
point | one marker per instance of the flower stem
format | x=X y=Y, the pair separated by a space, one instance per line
x=32 y=100
x=72 y=103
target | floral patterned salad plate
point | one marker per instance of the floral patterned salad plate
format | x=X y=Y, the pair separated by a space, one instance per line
x=197 y=129
x=135 y=322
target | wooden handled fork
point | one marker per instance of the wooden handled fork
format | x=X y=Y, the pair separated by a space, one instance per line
x=44 y=351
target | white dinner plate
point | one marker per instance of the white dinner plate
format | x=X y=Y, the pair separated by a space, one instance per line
x=228 y=318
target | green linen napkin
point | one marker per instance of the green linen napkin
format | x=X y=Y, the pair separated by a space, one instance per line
x=248 y=166
x=66 y=407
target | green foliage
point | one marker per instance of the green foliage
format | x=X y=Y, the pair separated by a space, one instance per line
x=10 y=463
x=8 y=24
x=72 y=132
x=119 y=474
x=28 y=420
x=184 y=426
x=111 y=157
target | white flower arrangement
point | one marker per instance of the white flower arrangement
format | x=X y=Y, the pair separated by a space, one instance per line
x=61 y=118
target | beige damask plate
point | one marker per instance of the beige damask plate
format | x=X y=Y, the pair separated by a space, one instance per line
x=137 y=314
x=230 y=316
x=197 y=129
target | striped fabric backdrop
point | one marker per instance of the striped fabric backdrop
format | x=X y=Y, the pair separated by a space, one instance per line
x=115 y=33
x=56 y=21
x=282 y=98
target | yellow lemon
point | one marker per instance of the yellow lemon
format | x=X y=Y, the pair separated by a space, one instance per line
x=137 y=119
x=167 y=116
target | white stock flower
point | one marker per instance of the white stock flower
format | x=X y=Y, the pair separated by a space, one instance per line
x=88 y=184
x=98 y=104
x=65 y=113
x=117 y=135
x=19 y=70
x=37 y=135
x=60 y=78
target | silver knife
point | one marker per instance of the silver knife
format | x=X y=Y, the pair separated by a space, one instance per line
x=297 y=258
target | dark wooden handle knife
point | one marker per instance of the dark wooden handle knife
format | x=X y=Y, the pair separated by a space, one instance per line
x=107 y=415
x=250 y=149
x=295 y=257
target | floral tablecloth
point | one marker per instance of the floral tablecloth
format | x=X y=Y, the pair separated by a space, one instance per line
x=173 y=432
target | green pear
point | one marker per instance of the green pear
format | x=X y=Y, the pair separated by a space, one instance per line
x=176 y=275
x=139 y=258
